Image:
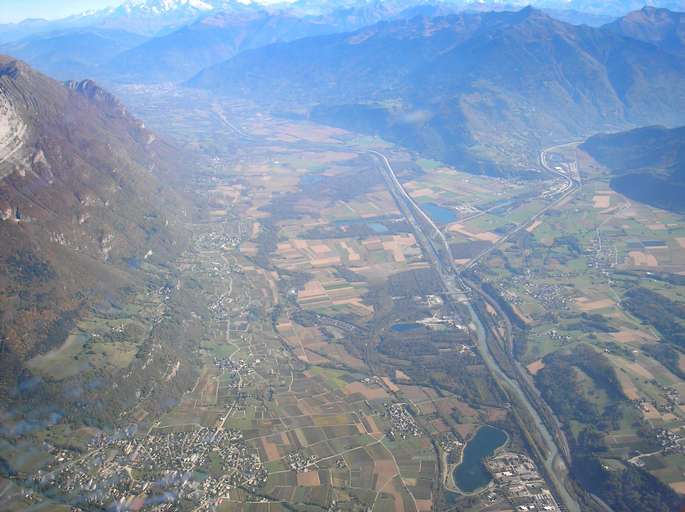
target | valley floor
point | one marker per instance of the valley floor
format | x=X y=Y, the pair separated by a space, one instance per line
x=331 y=373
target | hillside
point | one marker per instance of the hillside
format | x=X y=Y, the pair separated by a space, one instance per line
x=648 y=164
x=470 y=88
x=84 y=197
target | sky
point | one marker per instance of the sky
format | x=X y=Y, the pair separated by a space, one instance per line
x=17 y=10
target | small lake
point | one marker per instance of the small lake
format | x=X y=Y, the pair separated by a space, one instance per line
x=405 y=327
x=472 y=474
x=439 y=213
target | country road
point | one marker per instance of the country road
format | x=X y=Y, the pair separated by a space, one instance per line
x=556 y=469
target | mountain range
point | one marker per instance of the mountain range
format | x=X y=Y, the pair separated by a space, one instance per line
x=157 y=17
x=171 y=40
x=469 y=88
x=217 y=37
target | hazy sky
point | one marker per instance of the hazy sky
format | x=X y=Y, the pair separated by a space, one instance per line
x=17 y=10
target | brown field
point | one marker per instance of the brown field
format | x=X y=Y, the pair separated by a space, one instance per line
x=635 y=368
x=418 y=393
x=271 y=450
x=386 y=470
x=424 y=505
x=466 y=429
x=400 y=375
x=535 y=366
x=308 y=479
x=495 y=414
x=463 y=408
x=356 y=303
x=326 y=157
x=424 y=192
x=337 y=352
x=395 y=489
x=628 y=386
x=643 y=259
x=370 y=393
x=601 y=201
x=312 y=289
x=440 y=425
x=294 y=132
x=632 y=336
x=678 y=487
x=391 y=385
x=397 y=245
x=485 y=235
x=584 y=304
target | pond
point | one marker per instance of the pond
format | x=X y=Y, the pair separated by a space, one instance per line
x=438 y=213
x=404 y=327
x=472 y=474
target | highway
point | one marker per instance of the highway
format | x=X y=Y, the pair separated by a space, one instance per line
x=555 y=466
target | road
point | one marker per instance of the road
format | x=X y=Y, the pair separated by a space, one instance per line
x=555 y=466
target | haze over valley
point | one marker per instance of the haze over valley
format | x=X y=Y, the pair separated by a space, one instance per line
x=352 y=255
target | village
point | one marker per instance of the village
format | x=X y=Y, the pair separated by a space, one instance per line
x=197 y=466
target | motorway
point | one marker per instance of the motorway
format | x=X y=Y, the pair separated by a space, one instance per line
x=555 y=466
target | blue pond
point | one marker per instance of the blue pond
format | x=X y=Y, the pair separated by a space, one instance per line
x=472 y=474
x=405 y=327
x=439 y=213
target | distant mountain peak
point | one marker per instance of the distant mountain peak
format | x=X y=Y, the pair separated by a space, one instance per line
x=160 y=6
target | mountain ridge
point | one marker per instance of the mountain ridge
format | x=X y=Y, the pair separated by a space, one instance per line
x=84 y=190
x=495 y=84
